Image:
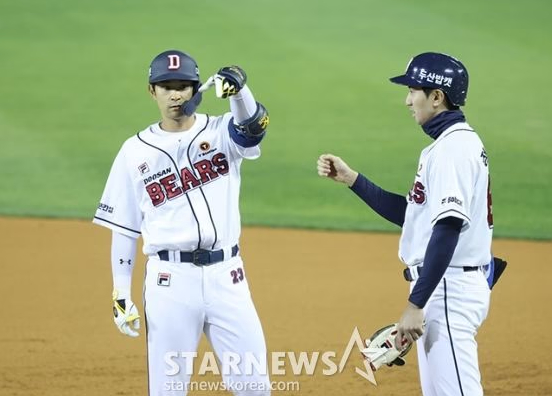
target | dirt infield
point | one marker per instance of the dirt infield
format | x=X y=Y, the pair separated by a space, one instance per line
x=311 y=290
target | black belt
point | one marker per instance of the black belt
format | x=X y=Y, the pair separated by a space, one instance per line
x=200 y=256
x=408 y=275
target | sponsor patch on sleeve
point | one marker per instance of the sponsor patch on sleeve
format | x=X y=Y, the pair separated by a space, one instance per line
x=453 y=200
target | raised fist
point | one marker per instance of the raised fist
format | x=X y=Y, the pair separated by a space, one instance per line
x=229 y=81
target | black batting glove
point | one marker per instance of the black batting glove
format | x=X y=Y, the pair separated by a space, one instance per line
x=229 y=81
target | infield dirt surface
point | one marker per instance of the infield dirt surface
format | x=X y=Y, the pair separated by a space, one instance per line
x=311 y=289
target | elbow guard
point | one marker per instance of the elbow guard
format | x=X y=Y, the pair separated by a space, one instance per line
x=256 y=125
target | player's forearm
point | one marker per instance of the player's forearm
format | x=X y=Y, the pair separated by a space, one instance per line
x=123 y=254
x=243 y=105
x=439 y=252
x=388 y=205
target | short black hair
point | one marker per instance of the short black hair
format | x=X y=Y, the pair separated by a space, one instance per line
x=448 y=103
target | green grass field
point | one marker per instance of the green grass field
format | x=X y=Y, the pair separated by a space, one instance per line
x=73 y=83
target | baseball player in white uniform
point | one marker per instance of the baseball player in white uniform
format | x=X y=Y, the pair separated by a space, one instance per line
x=176 y=184
x=447 y=223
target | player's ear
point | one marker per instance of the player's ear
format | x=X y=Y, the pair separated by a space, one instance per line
x=438 y=97
x=151 y=90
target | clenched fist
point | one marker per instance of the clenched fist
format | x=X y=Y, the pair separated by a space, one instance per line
x=229 y=81
x=125 y=315
x=336 y=169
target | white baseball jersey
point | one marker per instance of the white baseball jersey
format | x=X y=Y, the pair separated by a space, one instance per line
x=179 y=190
x=452 y=180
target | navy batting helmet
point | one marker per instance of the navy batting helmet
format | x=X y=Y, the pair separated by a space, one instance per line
x=439 y=71
x=177 y=65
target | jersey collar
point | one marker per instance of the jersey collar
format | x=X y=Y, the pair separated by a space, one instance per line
x=199 y=124
x=442 y=121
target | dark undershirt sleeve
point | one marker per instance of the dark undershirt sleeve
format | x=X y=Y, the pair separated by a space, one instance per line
x=439 y=252
x=388 y=205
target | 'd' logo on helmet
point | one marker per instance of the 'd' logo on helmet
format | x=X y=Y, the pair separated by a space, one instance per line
x=204 y=146
x=174 y=62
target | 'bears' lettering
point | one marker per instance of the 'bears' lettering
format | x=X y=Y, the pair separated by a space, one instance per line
x=188 y=179
x=167 y=187
x=220 y=162
x=172 y=189
x=417 y=193
x=156 y=193
x=205 y=169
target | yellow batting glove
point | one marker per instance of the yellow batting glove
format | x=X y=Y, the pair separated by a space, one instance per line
x=125 y=315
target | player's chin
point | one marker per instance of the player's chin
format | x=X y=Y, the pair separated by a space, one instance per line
x=174 y=113
x=419 y=120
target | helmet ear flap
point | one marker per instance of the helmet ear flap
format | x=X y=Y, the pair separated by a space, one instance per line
x=196 y=86
x=191 y=105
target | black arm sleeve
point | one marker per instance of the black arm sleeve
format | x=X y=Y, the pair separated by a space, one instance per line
x=438 y=255
x=388 y=205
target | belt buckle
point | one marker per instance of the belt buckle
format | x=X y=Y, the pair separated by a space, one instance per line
x=201 y=257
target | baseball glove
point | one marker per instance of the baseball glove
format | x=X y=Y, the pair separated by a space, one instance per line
x=380 y=348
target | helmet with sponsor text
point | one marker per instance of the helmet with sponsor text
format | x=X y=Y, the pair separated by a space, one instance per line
x=439 y=71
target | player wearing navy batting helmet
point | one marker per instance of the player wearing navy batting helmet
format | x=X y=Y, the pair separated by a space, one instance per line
x=439 y=71
x=447 y=224
x=176 y=184
x=177 y=65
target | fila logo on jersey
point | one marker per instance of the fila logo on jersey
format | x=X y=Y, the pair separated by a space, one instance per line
x=417 y=193
x=167 y=187
x=143 y=168
x=163 y=279
x=174 y=62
